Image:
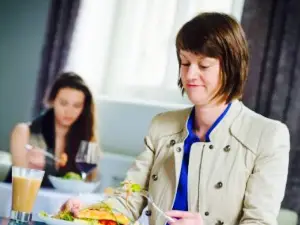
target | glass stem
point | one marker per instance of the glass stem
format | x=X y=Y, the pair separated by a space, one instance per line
x=83 y=175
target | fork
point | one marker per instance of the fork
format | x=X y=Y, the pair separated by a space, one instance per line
x=48 y=154
x=147 y=195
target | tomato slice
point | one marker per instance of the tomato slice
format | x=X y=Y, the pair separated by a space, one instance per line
x=110 y=222
x=107 y=222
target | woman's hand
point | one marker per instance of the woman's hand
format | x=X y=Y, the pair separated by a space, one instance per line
x=73 y=205
x=185 y=218
x=35 y=158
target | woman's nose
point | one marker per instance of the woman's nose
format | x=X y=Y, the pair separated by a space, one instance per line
x=193 y=72
x=68 y=111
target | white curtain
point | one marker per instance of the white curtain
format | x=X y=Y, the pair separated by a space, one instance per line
x=125 y=49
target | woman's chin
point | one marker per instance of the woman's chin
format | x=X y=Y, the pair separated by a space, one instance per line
x=195 y=100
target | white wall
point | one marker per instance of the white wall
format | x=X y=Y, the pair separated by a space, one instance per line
x=22 y=27
x=122 y=126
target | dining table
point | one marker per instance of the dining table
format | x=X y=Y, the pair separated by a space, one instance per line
x=8 y=221
x=50 y=200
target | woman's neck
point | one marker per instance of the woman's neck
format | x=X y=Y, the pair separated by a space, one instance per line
x=205 y=116
x=60 y=130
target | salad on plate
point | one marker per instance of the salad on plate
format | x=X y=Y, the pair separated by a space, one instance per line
x=103 y=214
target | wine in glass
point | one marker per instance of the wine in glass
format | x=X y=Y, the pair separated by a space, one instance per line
x=87 y=157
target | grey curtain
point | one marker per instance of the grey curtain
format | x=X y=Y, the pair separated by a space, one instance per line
x=61 y=21
x=273 y=88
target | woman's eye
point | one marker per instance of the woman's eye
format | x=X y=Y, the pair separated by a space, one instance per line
x=77 y=106
x=203 y=66
x=185 y=64
x=63 y=103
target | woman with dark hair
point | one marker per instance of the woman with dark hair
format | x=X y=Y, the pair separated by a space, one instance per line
x=217 y=162
x=69 y=119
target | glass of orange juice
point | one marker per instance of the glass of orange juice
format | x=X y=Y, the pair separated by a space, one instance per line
x=25 y=186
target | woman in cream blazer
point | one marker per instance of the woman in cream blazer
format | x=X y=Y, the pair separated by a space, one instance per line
x=238 y=177
x=217 y=162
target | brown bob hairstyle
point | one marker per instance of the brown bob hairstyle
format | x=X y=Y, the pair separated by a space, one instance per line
x=218 y=35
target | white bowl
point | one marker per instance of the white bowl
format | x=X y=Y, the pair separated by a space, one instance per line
x=73 y=186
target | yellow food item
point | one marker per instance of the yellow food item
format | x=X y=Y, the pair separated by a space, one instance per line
x=63 y=159
x=103 y=216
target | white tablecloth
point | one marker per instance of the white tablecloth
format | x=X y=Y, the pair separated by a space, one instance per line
x=48 y=200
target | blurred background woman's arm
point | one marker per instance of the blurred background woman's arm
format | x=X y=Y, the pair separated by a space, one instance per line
x=19 y=138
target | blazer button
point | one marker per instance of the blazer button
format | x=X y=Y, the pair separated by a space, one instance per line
x=172 y=142
x=154 y=177
x=148 y=212
x=178 y=149
x=206 y=213
x=211 y=146
x=227 y=148
x=219 y=185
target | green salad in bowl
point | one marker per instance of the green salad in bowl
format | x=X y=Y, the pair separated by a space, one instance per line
x=72 y=176
x=73 y=183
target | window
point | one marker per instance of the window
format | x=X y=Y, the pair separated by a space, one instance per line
x=125 y=49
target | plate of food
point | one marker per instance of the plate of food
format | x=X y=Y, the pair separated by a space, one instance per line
x=102 y=215
x=73 y=183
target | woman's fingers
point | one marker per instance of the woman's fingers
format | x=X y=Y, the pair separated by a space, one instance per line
x=181 y=214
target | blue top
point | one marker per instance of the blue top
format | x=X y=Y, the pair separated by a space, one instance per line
x=181 y=200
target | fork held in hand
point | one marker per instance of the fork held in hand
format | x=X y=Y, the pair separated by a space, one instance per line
x=146 y=195
x=150 y=200
x=48 y=154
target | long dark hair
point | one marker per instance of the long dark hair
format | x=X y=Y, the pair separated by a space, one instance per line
x=84 y=128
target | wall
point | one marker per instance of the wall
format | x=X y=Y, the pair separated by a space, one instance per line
x=123 y=125
x=22 y=27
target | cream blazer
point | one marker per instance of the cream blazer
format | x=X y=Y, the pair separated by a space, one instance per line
x=239 y=177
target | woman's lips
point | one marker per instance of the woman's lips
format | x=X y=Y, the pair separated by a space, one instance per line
x=194 y=85
x=67 y=119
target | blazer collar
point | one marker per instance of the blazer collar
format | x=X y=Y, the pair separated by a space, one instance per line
x=223 y=128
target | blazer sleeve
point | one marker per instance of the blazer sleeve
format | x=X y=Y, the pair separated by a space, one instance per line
x=138 y=173
x=266 y=185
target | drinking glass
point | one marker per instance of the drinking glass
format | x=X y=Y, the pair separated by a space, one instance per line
x=26 y=184
x=87 y=157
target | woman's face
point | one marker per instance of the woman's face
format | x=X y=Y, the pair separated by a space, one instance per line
x=68 y=106
x=200 y=76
